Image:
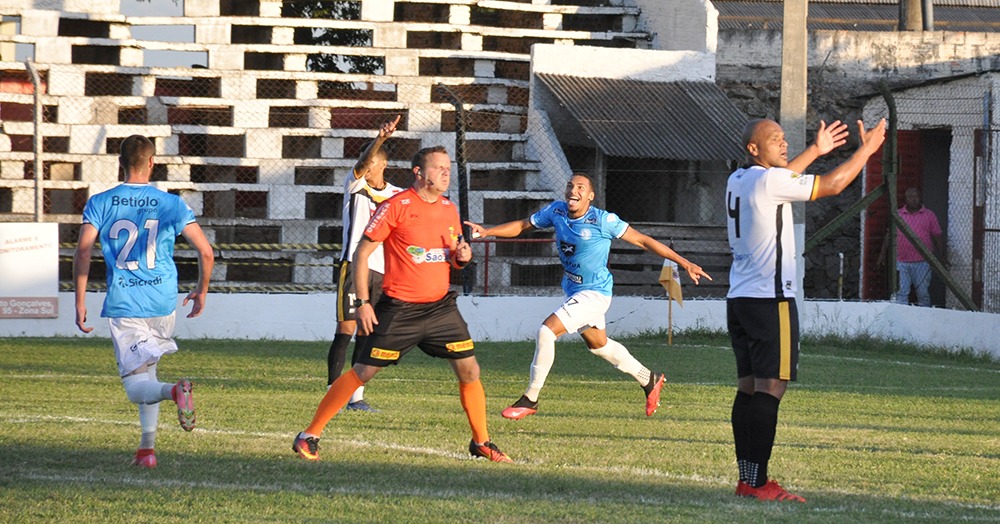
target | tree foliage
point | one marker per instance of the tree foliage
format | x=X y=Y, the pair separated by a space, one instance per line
x=333 y=10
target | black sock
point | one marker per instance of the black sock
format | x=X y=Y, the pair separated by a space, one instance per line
x=763 y=422
x=648 y=387
x=525 y=402
x=336 y=357
x=741 y=428
x=359 y=348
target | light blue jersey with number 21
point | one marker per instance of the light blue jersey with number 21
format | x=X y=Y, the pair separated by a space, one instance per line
x=137 y=226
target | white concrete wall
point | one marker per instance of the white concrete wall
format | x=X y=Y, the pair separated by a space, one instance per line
x=310 y=317
x=635 y=64
x=680 y=24
x=856 y=56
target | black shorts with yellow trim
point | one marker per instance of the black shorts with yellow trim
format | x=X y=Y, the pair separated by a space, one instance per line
x=765 y=336
x=437 y=328
x=345 y=290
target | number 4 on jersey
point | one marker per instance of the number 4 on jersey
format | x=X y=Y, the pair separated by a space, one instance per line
x=734 y=211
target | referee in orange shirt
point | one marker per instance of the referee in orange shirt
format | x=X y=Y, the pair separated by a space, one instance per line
x=421 y=235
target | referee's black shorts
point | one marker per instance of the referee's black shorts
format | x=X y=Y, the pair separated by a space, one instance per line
x=437 y=328
x=765 y=336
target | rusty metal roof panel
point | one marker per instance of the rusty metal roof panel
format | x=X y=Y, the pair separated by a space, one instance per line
x=685 y=120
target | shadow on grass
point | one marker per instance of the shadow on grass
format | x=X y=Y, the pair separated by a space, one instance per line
x=84 y=485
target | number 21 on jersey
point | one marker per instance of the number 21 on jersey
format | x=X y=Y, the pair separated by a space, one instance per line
x=122 y=260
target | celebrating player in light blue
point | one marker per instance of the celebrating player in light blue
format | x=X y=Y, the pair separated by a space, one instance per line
x=583 y=236
x=137 y=225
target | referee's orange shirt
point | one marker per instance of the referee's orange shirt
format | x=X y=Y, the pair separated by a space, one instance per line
x=417 y=237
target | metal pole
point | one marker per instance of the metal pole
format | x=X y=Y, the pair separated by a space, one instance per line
x=927 y=9
x=980 y=175
x=890 y=170
x=37 y=142
x=463 y=174
x=840 y=278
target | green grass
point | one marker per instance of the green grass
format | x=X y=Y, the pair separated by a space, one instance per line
x=872 y=432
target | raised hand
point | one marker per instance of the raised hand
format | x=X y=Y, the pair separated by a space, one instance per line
x=389 y=128
x=830 y=137
x=872 y=139
x=462 y=250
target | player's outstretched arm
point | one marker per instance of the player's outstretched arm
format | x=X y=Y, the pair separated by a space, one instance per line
x=633 y=236
x=81 y=272
x=827 y=139
x=505 y=230
x=837 y=180
x=206 y=261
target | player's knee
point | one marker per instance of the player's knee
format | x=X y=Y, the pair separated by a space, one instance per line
x=466 y=370
x=613 y=352
x=546 y=335
x=139 y=393
x=606 y=352
x=134 y=396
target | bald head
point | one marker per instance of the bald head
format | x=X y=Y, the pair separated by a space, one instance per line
x=764 y=143
x=753 y=129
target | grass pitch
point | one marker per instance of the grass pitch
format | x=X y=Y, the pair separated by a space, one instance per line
x=871 y=432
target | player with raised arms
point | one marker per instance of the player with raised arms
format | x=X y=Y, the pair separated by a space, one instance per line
x=583 y=237
x=760 y=307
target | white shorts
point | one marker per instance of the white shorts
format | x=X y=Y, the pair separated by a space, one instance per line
x=141 y=341
x=583 y=310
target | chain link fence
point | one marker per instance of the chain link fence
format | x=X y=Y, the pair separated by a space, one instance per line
x=261 y=157
x=266 y=105
x=944 y=148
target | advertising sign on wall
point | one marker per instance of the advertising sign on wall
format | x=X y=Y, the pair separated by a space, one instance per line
x=29 y=270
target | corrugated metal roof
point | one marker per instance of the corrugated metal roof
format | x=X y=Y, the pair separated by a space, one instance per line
x=955 y=15
x=685 y=120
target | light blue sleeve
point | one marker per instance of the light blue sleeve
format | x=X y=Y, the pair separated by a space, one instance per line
x=613 y=225
x=543 y=217
x=91 y=215
x=184 y=215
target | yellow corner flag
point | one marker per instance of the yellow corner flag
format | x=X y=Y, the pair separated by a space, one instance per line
x=670 y=279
